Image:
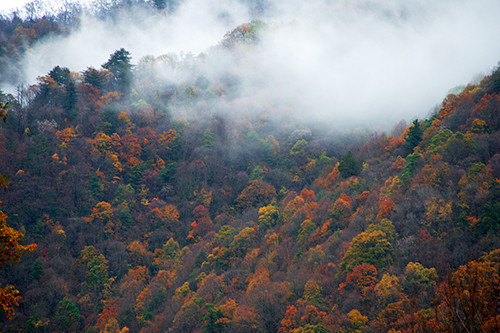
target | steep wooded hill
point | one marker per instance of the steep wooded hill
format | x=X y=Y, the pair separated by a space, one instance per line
x=190 y=208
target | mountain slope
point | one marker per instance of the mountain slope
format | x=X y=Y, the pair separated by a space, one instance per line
x=158 y=209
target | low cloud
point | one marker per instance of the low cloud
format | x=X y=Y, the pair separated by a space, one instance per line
x=356 y=62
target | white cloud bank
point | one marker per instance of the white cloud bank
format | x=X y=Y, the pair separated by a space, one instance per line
x=367 y=62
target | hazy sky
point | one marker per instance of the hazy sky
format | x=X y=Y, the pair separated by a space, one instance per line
x=345 y=60
x=7 y=5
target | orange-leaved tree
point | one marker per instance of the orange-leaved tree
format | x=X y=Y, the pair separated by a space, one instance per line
x=468 y=300
x=11 y=249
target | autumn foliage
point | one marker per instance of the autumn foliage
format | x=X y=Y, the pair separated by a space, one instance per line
x=182 y=207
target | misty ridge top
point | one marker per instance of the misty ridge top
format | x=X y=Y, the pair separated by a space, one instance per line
x=317 y=57
x=244 y=33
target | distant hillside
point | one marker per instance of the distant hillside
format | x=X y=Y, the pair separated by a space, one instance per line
x=164 y=196
x=148 y=219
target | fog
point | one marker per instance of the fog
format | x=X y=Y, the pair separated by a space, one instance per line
x=196 y=26
x=347 y=62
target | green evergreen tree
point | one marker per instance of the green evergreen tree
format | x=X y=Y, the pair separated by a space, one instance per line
x=70 y=99
x=492 y=84
x=349 y=166
x=36 y=270
x=414 y=136
x=119 y=65
x=96 y=188
x=67 y=316
x=93 y=77
x=60 y=75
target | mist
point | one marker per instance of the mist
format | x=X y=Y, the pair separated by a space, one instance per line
x=359 y=63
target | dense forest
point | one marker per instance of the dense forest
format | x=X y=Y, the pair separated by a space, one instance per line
x=190 y=207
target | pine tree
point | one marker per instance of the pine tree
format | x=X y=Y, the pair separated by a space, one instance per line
x=414 y=136
x=349 y=166
x=119 y=65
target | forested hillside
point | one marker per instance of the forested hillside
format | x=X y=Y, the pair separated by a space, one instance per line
x=188 y=206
